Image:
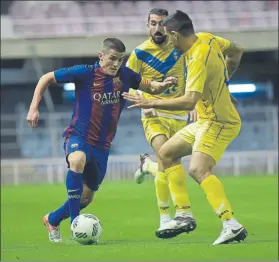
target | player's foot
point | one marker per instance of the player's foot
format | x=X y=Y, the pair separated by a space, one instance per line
x=142 y=172
x=231 y=234
x=176 y=226
x=54 y=234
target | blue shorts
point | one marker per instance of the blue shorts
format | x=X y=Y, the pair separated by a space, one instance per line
x=96 y=161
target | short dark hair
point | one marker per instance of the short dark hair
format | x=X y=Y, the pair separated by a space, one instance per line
x=113 y=43
x=179 y=22
x=157 y=11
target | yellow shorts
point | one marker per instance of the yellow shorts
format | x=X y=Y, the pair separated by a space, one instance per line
x=154 y=126
x=209 y=137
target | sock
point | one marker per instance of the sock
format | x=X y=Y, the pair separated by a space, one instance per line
x=231 y=223
x=177 y=184
x=163 y=196
x=151 y=167
x=74 y=188
x=61 y=213
x=217 y=198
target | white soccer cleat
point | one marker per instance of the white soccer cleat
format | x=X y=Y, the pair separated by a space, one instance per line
x=230 y=234
x=141 y=172
x=54 y=234
x=176 y=227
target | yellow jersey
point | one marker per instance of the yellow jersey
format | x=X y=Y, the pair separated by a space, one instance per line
x=207 y=74
x=156 y=62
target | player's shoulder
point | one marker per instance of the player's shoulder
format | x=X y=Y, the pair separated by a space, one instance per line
x=147 y=44
x=201 y=51
x=145 y=47
x=125 y=70
x=84 y=68
x=205 y=36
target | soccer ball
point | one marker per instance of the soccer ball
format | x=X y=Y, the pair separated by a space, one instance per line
x=86 y=229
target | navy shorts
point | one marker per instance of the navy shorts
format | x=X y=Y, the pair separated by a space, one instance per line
x=96 y=161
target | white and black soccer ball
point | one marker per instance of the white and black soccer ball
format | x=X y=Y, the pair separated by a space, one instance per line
x=86 y=229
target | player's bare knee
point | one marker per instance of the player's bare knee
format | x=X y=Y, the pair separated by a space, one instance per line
x=77 y=161
x=198 y=174
x=165 y=158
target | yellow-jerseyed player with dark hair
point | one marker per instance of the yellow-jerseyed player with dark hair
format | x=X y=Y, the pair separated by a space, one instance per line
x=156 y=59
x=210 y=65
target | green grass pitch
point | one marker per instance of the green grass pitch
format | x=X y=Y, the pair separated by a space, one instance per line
x=129 y=216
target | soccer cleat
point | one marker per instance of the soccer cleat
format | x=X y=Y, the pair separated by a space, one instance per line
x=141 y=172
x=54 y=234
x=231 y=234
x=176 y=227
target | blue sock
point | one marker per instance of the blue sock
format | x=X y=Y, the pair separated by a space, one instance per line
x=61 y=213
x=74 y=188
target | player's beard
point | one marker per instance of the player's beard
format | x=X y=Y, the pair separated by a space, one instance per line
x=159 y=38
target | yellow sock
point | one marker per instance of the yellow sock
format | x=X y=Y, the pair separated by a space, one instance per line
x=151 y=167
x=217 y=198
x=163 y=194
x=176 y=176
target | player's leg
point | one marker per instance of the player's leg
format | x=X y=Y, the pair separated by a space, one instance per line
x=208 y=149
x=161 y=183
x=153 y=128
x=62 y=213
x=171 y=153
x=157 y=132
x=76 y=149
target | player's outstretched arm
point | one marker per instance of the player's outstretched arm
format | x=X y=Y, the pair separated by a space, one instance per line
x=44 y=82
x=137 y=82
x=194 y=88
x=154 y=87
x=186 y=102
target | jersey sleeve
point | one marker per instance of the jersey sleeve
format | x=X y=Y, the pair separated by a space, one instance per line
x=134 y=79
x=72 y=74
x=134 y=63
x=222 y=42
x=196 y=75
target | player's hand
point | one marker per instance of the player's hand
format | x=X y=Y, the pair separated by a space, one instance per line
x=33 y=117
x=150 y=112
x=169 y=81
x=193 y=115
x=162 y=86
x=138 y=101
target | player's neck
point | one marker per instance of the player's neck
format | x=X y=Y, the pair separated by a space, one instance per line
x=189 y=42
x=161 y=44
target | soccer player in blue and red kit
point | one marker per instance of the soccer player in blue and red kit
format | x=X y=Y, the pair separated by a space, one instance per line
x=98 y=105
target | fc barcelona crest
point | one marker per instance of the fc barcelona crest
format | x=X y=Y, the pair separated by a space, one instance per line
x=117 y=81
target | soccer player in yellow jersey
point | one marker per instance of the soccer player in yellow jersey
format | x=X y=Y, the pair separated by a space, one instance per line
x=156 y=59
x=209 y=68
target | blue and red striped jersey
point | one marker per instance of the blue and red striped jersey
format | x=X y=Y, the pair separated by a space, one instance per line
x=98 y=101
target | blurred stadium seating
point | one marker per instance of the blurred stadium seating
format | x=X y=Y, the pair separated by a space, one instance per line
x=61 y=19
x=64 y=18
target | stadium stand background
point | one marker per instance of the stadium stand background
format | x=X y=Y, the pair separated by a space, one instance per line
x=37 y=37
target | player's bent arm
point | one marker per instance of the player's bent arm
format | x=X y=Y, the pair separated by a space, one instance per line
x=151 y=87
x=233 y=55
x=154 y=87
x=42 y=85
